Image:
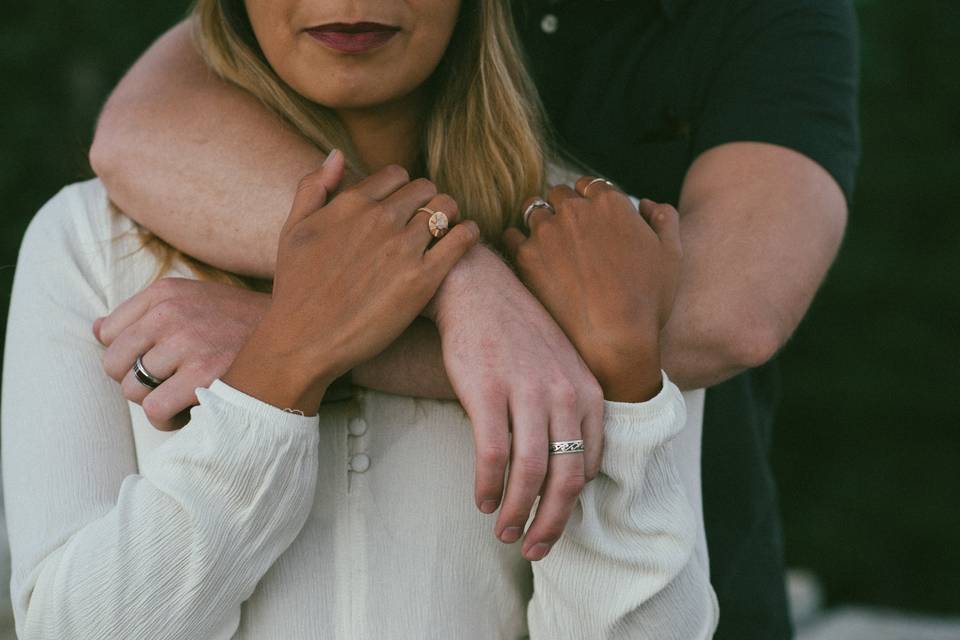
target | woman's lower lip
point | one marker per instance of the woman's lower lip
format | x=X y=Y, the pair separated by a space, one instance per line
x=352 y=42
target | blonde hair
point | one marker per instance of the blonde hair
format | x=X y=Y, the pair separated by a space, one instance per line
x=485 y=136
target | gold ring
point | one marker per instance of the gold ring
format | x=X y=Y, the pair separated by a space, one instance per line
x=595 y=181
x=438 y=223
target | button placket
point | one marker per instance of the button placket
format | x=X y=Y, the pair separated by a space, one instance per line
x=359 y=461
x=357 y=427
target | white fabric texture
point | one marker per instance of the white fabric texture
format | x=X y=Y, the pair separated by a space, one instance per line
x=254 y=523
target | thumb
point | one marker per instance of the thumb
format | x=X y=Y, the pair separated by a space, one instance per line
x=314 y=187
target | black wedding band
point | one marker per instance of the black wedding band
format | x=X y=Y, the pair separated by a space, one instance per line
x=143 y=376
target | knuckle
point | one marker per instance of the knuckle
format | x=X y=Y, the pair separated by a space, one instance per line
x=447 y=204
x=663 y=212
x=425 y=187
x=591 y=470
x=129 y=389
x=490 y=394
x=396 y=172
x=608 y=196
x=554 y=193
x=306 y=181
x=113 y=365
x=565 y=396
x=493 y=455
x=524 y=256
x=572 y=484
x=593 y=397
x=532 y=393
x=530 y=466
x=155 y=408
x=164 y=312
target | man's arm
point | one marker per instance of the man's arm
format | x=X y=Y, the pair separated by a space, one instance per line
x=761 y=223
x=189 y=156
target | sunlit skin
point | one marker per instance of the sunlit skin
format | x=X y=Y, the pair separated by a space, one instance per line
x=378 y=94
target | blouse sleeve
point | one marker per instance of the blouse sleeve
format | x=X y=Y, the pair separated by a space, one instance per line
x=99 y=550
x=624 y=566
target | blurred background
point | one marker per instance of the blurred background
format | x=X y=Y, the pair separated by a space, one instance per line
x=867 y=451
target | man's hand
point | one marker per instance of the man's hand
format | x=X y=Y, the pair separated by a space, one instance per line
x=192 y=331
x=513 y=368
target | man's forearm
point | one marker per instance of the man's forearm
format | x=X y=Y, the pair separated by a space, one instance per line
x=199 y=162
x=411 y=366
x=760 y=226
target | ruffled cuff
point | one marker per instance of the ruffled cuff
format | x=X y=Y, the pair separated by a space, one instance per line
x=256 y=409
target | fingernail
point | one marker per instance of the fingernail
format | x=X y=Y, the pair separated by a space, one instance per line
x=333 y=154
x=488 y=506
x=539 y=551
x=510 y=535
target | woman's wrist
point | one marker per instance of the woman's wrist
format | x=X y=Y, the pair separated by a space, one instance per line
x=280 y=372
x=628 y=375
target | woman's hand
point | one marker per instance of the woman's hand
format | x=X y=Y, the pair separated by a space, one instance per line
x=351 y=275
x=608 y=276
x=522 y=384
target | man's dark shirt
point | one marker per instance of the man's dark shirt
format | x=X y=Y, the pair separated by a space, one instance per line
x=637 y=89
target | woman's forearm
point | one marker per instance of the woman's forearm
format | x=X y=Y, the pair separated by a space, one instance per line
x=201 y=163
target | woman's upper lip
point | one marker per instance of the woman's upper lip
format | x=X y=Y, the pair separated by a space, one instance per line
x=355 y=27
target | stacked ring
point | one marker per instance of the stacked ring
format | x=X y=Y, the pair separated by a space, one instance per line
x=539 y=203
x=595 y=181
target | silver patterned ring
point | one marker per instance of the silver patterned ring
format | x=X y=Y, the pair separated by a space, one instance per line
x=566 y=446
x=539 y=203
x=143 y=376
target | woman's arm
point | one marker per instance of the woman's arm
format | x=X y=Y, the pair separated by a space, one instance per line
x=100 y=548
x=624 y=567
x=183 y=544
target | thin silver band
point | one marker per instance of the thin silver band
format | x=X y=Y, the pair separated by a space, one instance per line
x=539 y=203
x=566 y=446
x=595 y=181
x=143 y=376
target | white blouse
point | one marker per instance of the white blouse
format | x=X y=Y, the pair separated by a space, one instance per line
x=253 y=523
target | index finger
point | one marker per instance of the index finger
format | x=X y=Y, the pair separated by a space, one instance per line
x=382 y=183
x=129 y=312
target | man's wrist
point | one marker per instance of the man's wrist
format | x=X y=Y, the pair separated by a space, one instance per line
x=472 y=274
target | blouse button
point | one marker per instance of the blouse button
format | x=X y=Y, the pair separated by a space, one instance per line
x=360 y=463
x=357 y=427
x=549 y=23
